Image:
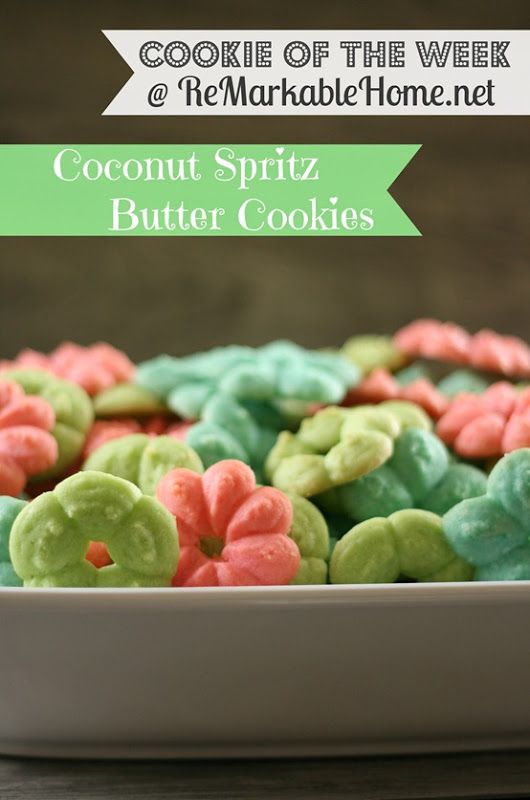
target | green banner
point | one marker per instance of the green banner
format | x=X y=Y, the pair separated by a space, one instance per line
x=202 y=190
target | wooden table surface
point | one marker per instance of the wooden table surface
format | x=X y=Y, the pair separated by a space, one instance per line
x=476 y=775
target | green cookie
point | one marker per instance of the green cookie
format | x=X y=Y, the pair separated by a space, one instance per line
x=372 y=351
x=409 y=544
x=143 y=459
x=310 y=532
x=338 y=445
x=51 y=535
x=127 y=400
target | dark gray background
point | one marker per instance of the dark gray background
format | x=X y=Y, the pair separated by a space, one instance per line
x=467 y=190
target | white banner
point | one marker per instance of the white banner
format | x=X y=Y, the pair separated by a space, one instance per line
x=324 y=72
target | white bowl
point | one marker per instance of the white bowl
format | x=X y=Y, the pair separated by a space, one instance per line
x=277 y=671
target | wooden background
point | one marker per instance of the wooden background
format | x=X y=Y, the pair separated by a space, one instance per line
x=467 y=190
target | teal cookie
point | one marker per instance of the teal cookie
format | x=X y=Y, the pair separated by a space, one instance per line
x=227 y=431
x=10 y=508
x=278 y=371
x=493 y=532
x=418 y=475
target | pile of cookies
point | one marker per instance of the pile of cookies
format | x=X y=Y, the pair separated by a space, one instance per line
x=402 y=458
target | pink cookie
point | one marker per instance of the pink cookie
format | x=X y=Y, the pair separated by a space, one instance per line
x=380 y=385
x=231 y=532
x=94 y=368
x=432 y=339
x=505 y=354
x=26 y=446
x=486 y=350
x=491 y=424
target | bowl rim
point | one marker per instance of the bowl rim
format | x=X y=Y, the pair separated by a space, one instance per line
x=213 y=597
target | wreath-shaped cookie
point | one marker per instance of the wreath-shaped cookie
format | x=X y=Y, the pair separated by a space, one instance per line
x=51 y=536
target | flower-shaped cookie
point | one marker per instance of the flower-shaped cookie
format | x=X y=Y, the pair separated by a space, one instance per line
x=485 y=350
x=10 y=508
x=26 y=445
x=51 y=536
x=491 y=424
x=93 y=368
x=142 y=459
x=338 y=445
x=231 y=533
x=276 y=372
x=408 y=544
x=72 y=409
x=418 y=475
x=493 y=532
